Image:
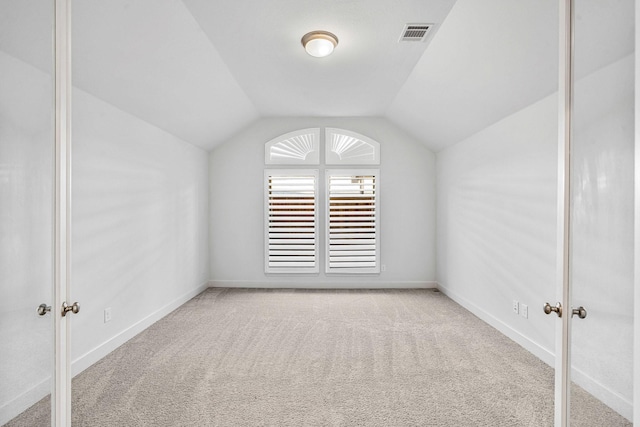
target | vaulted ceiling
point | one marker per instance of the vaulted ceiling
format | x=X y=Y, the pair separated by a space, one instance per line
x=203 y=70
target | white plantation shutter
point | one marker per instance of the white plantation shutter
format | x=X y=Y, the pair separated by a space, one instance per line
x=352 y=223
x=343 y=147
x=294 y=148
x=291 y=221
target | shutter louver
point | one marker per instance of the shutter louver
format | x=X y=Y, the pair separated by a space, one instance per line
x=353 y=228
x=291 y=223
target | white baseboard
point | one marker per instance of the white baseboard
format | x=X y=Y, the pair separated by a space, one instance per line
x=19 y=404
x=97 y=353
x=16 y=406
x=603 y=393
x=541 y=352
x=610 y=398
x=303 y=284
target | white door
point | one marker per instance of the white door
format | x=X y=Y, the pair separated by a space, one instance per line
x=602 y=202
x=595 y=280
x=26 y=205
x=33 y=207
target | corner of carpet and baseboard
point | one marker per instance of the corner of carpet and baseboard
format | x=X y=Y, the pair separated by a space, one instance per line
x=92 y=356
x=334 y=284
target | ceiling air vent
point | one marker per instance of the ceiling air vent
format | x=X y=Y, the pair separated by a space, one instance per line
x=415 y=32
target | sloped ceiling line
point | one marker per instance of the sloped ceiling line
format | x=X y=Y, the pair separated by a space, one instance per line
x=183 y=66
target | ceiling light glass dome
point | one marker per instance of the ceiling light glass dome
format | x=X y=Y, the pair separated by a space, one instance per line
x=319 y=43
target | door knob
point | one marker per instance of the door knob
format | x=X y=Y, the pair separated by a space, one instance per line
x=548 y=308
x=43 y=309
x=580 y=311
x=75 y=308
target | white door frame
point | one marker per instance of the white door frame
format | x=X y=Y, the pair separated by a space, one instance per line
x=61 y=389
x=636 y=326
x=565 y=106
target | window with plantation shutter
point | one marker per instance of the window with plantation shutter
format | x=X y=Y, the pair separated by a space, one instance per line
x=291 y=221
x=352 y=221
x=349 y=197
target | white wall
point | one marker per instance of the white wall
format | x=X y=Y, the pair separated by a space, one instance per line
x=407 y=208
x=139 y=237
x=497 y=223
x=140 y=225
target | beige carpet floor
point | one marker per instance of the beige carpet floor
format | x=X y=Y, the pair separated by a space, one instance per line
x=241 y=357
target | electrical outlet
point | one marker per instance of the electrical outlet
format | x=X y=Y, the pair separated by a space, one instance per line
x=516 y=306
x=524 y=310
x=107 y=314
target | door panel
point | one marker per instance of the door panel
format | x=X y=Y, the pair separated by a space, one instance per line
x=26 y=208
x=602 y=179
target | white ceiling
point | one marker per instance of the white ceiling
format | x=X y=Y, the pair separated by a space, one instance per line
x=492 y=58
x=203 y=70
x=150 y=58
x=260 y=43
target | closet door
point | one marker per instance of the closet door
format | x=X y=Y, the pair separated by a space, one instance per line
x=27 y=195
x=602 y=199
x=594 y=351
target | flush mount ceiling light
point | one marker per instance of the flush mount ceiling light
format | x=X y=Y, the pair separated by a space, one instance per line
x=319 y=43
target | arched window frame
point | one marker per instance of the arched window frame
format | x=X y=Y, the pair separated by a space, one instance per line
x=301 y=147
x=344 y=147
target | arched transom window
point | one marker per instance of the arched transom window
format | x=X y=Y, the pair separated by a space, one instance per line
x=346 y=147
x=299 y=148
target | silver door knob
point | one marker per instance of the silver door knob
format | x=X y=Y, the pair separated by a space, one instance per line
x=43 y=309
x=75 y=308
x=548 y=308
x=580 y=311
